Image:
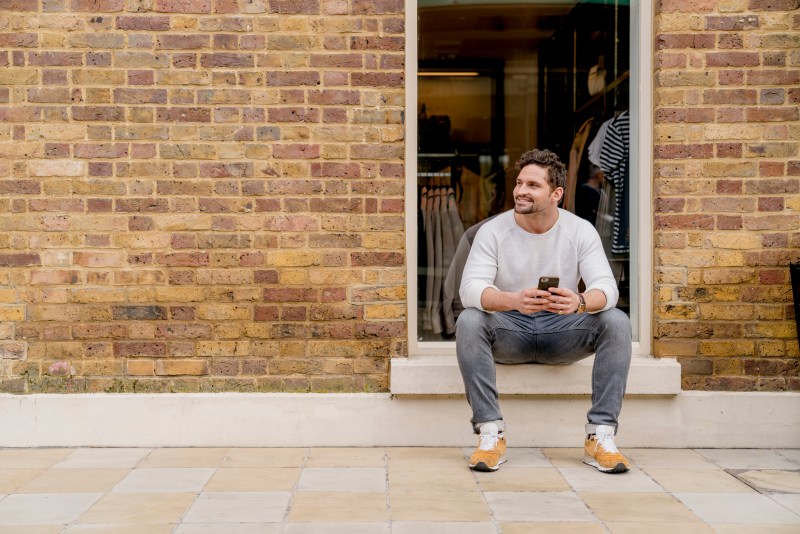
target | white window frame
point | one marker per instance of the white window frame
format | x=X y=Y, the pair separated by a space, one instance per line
x=641 y=214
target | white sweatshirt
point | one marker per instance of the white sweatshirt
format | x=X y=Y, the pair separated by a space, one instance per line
x=508 y=258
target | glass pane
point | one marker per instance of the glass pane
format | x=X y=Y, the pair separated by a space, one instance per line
x=495 y=80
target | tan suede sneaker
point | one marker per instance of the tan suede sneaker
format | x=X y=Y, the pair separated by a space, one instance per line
x=491 y=451
x=600 y=451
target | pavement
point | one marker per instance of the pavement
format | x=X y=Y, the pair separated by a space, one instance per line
x=394 y=491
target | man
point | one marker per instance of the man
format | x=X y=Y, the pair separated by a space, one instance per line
x=508 y=320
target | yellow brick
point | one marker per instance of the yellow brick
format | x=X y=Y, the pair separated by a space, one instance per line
x=52 y=132
x=100 y=368
x=734 y=240
x=727 y=312
x=724 y=132
x=697 y=258
x=339 y=366
x=224 y=277
x=727 y=348
x=265 y=349
x=88 y=77
x=229 y=330
x=8 y=295
x=728 y=366
x=222 y=312
x=385 y=240
x=767 y=312
x=727 y=294
x=258 y=331
x=665 y=294
x=775 y=21
x=293 y=277
x=323 y=277
x=730 y=258
x=15 y=76
x=98 y=223
x=97 y=295
x=384 y=311
x=181 y=367
x=732 y=6
x=180 y=294
x=793 y=203
x=329 y=151
x=728 y=276
x=677 y=311
x=63 y=350
x=293 y=258
x=670 y=275
x=669 y=348
x=337 y=349
x=183 y=222
x=223 y=348
x=771 y=348
x=719 y=169
x=291 y=348
x=392 y=276
x=694 y=277
x=771 y=329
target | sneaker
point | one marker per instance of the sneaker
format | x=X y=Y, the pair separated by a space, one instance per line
x=600 y=451
x=491 y=451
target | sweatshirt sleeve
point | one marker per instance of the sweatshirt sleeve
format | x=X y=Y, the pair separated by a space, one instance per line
x=480 y=269
x=593 y=267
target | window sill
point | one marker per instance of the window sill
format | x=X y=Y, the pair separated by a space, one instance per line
x=439 y=375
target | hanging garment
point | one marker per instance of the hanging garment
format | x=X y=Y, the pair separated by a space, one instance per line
x=450 y=287
x=593 y=152
x=436 y=307
x=448 y=245
x=455 y=219
x=614 y=162
x=469 y=207
x=429 y=269
x=422 y=252
x=452 y=283
x=575 y=154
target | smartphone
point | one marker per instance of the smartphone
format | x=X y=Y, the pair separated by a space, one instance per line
x=546 y=282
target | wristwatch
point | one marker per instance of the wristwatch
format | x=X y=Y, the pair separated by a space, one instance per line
x=581 y=304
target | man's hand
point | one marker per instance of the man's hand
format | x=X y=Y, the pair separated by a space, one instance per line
x=558 y=300
x=561 y=300
x=530 y=300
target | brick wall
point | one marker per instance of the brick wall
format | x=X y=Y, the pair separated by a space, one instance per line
x=727 y=191
x=201 y=195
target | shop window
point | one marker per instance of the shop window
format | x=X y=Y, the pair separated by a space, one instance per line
x=492 y=81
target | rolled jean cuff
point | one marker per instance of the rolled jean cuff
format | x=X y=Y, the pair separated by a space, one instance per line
x=501 y=425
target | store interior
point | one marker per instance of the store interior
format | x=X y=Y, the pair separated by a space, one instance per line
x=495 y=80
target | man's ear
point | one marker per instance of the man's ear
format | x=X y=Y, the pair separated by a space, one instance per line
x=557 y=193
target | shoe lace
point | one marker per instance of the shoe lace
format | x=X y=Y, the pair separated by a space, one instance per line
x=606 y=441
x=488 y=441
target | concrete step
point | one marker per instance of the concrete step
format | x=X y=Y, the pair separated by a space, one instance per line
x=439 y=375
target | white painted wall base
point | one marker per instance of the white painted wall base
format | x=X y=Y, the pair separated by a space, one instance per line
x=690 y=419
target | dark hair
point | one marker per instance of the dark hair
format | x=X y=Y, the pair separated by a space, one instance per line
x=556 y=172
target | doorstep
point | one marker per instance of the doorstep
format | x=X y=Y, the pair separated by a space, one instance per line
x=439 y=375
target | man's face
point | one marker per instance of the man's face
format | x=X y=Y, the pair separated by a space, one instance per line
x=532 y=194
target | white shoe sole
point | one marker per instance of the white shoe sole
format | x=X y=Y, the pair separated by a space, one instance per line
x=619 y=468
x=480 y=466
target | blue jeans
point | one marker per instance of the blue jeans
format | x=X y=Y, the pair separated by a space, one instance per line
x=513 y=338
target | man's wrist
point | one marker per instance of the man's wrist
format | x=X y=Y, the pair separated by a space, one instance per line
x=581 y=304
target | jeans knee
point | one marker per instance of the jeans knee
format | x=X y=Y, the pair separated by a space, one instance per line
x=470 y=320
x=616 y=321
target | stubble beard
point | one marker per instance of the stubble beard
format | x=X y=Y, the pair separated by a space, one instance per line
x=526 y=210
